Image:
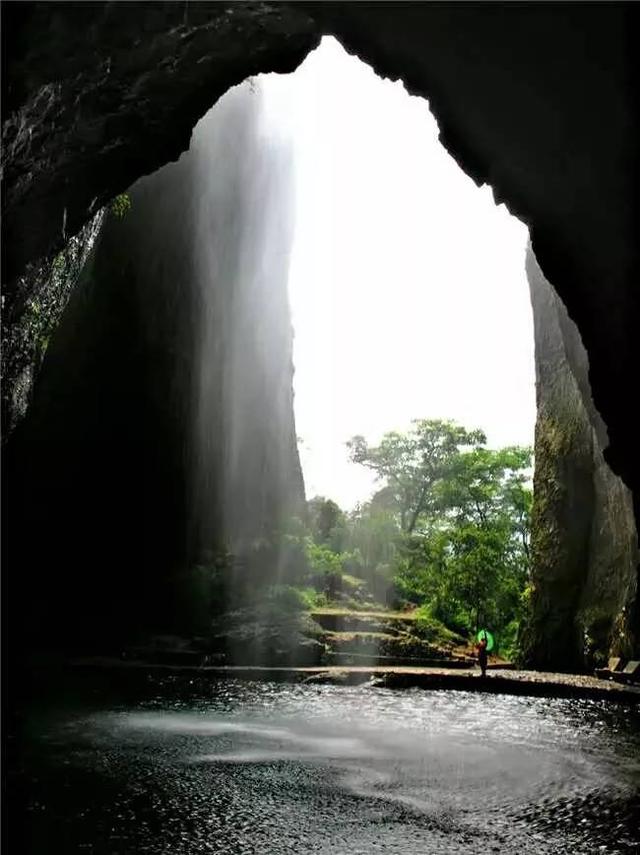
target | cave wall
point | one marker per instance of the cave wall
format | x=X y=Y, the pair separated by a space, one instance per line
x=161 y=430
x=584 y=545
x=539 y=100
x=27 y=326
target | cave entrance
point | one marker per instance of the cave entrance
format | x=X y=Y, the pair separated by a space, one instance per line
x=325 y=192
x=409 y=301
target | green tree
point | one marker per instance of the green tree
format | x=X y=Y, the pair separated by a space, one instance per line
x=484 y=483
x=462 y=514
x=470 y=558
x=412 y=464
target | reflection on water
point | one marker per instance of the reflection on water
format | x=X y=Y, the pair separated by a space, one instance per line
x=244 y=768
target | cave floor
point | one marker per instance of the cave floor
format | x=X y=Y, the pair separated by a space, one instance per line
x=499 y=680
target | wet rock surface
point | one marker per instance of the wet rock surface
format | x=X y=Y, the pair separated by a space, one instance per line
x=166 y=767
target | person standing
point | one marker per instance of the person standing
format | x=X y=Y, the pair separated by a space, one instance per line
x=483 y=655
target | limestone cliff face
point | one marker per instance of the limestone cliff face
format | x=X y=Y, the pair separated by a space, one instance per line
x=162 y=424
x=584 y=542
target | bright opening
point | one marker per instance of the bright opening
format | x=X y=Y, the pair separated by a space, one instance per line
x=407 y=282
x=410 y=305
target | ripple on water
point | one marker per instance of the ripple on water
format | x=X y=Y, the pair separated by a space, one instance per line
x=273 y=768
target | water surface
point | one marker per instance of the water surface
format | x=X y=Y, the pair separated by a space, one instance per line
x=186 y=766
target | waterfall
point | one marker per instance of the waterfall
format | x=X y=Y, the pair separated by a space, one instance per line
x=243 y=404
x=162 y=428
x=229 y=205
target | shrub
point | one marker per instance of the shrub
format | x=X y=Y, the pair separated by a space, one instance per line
x=430 y=628
x=121 y=205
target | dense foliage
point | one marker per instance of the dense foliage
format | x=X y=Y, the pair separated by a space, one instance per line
x=447 y=531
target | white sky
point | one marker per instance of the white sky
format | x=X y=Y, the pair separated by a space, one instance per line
x=407 y=283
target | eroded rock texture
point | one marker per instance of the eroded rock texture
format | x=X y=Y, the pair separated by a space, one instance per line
x=584 y=543
x=98 y=94
x=40 y=298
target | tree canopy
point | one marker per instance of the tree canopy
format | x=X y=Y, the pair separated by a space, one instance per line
x=414 y=463
x=461 y=513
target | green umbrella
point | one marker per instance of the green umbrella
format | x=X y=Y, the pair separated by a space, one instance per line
x=484 y=633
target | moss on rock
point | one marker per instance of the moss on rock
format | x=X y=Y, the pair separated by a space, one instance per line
x=583 y=538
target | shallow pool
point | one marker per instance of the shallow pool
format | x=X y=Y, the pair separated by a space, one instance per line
x=230 y=767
